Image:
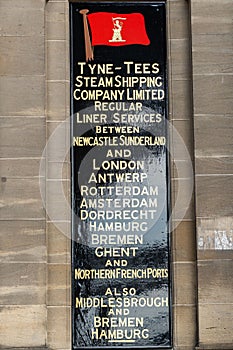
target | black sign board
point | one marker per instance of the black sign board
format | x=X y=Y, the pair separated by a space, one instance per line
x=120 y=246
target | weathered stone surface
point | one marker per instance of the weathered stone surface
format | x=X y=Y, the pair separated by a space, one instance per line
x=211 y=254
x=59 y=245
x=179 y=20
x=184 y=139
x=180 y=58
x=215 y=281
x=22 y=241
x=180 y=102
x=215 y=237
x=184 y=242
x=19 y=168
x=57 y=100
x=58 y=326
x=213 y=94
x=23 y=325
x=182 y=198
x=185 y=275
x=55 y=20
x=22 y=55
x=212 y=66
x=182 y=169
x=58 y=284
x=21 y=199
x=31 y=348
x=216 y=346
x=22 y=17
x=213 y=53
x=214 y=165
x=22 y=4
x=56 y=170
x=58 y=151
x=214 y=196
x=213 y=17
x=56 y=58
x=213 y=135
x=23 y=284
x=22 y=137
x=18 y=101
x=184 y=326
x=58 y=200
x=215 y=323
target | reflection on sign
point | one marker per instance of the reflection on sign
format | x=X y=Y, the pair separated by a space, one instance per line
x=120 y=254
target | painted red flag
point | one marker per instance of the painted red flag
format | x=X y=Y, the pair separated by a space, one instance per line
x=114 y=29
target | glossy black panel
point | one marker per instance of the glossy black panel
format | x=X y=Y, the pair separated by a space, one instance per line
x=120 y=249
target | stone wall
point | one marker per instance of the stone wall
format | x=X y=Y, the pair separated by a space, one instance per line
x=23 y=136
x=212 y=52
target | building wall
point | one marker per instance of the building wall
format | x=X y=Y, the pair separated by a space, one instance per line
x=212 y=52
x=23 y=136
x=35 y=216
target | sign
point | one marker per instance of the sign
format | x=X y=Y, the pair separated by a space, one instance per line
x=120 y=246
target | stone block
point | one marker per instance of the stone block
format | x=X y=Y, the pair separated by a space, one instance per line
x=22 y=325
x=22 y=137
x=22 y=18
x=58 y=145
x=182 y=169
x=58 y=200
x=212 y=53
x=59 y=245
x=57 y=171
x=180 y=58
x=58 y=291
x=22 y=56
x=19 y=168
x=56 y=60
x=215 y=280
x=21 y=199
x=211 y=254
x=55 y=20
x=18 y=101
x=180 y=100
x=22 y=4
x=215 y=237
x=23 y=283
x=183 y=139
x=184 y=242
x=215 y=323
x=22 y=241
x=58 y=100
x=214 y=165
x=182 y=199
x=216 y=346
x=213 y=17
x=179 y=21
x=213 y=94
x=214 y=196
x=58 y=325
x=213 y=136
x=184 y=326
x=184 y=275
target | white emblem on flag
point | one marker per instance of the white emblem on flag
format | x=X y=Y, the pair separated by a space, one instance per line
x=117 y=27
